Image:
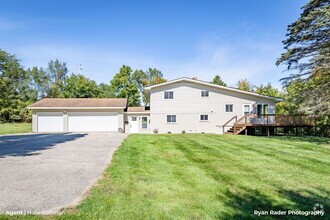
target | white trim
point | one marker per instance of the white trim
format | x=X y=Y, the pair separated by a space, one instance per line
x=136 y=113
x=168 y=91
x=63 y=108
x=250 y=108
x=204 y=120
x=208 y=93
x=171 y=122
x=148 y=119
x=262 y=107
x=231 y=111
x=211 y=85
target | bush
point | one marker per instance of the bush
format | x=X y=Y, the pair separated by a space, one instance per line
x=155 y=131
x=183 y=132
x=169 y=132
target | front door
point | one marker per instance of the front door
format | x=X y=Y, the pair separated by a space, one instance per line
x=134 y=124
x=144 y=124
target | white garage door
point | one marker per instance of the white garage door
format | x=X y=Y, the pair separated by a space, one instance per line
x=92 y=121
x=50 y=122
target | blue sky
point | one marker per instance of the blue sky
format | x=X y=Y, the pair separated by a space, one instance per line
x=236 y=39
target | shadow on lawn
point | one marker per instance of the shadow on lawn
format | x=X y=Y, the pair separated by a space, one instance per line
x=30 y=144
x=243 y=205
x=310 y=139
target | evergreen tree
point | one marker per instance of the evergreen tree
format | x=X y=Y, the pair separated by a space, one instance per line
x=307 y=56
x=218 y=81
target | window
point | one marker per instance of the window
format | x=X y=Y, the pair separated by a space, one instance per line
x=168 y=95
x=230 y=108
x=246 y=109
x=204 y=117
x=171 y=118
x=134 y=118
x=204 y=93
x=144 y=122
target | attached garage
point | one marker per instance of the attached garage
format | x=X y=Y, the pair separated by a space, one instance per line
x=50 y=122
x=78 y=114
x=92 y=121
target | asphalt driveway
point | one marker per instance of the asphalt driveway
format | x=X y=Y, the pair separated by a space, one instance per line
x=42 y=172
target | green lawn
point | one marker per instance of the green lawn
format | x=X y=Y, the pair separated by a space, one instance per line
x=15 y=128
x=201 y=176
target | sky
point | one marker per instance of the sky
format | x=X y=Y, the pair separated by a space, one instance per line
x=236 y=39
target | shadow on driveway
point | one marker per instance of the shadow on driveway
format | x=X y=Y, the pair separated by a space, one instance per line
x=28 y=144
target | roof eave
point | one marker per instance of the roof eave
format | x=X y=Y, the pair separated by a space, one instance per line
x=40 y=108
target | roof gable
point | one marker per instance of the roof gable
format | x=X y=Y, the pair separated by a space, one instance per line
x=185 y=79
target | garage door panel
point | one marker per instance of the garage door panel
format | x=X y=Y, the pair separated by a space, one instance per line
x=50 y=122
x=92 y=121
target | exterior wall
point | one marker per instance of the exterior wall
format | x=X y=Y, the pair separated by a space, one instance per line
x=65 y=116
x=188 y=105
x=127 y=125
x=34 y=121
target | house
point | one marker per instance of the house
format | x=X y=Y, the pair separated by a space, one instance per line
x=181 y=105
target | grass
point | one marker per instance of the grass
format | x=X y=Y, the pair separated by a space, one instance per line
x=204 y=176
x=15 y=128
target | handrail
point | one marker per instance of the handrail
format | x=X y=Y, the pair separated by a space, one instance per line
x=223 y=126
x=243 y=117
x=279 y=119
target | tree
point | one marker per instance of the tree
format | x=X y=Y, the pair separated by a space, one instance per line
x=307 y=55
x=245 y=85
x=125 y=86
x=15 y=93
x=39 y=82
x=106 y=91
x=58 y=73
x=218 y=81
x=268 y=90
x=151 y=77
x=79 y=86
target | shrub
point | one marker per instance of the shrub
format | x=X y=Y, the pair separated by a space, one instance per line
x=183 y=132
x=155 y=131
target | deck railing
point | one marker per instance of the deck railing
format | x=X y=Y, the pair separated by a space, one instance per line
x=277 y=120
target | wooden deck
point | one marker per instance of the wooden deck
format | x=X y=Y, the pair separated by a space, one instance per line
x=269 y=122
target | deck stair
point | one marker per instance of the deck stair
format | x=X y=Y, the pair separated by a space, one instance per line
x=236 y=129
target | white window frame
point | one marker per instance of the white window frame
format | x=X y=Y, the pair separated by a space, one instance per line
x=250 y=108
x=205 y=92
x=142 y=123
x=226 y=108
x=171 y=121
x=200 y=117
x=262 y=107
x=169 y=92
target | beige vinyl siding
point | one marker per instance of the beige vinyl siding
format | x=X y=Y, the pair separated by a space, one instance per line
x=188 y=105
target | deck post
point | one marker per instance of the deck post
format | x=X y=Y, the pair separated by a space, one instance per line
x=245 y=130
x=296 y=131
x=267 y=128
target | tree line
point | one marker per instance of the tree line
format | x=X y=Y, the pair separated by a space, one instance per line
x=21 y=87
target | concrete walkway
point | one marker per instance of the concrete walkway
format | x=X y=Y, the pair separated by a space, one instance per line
x=43 y=172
